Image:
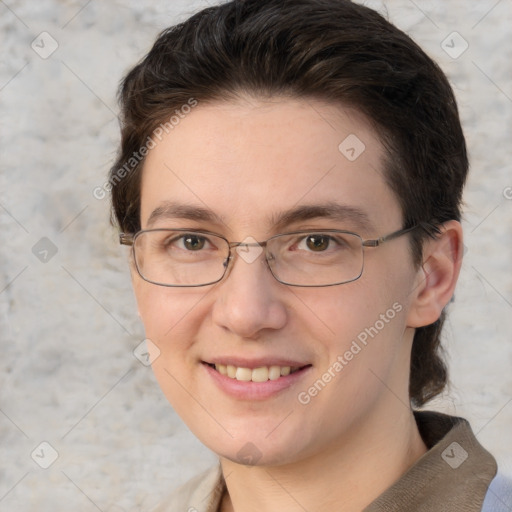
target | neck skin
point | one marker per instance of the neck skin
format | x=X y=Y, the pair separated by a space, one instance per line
x=346 y=476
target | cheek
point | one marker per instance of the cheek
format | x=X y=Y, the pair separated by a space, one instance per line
x=152 y=308
x=365 y=354
x=366 y=321
x=348 y=310
x=171 y=318
x=165 y=311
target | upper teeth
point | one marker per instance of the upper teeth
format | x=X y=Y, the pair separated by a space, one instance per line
x=261 y=374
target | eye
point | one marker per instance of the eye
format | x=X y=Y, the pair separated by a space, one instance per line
x=315 y=242
x=190 y=242
x=194 y=242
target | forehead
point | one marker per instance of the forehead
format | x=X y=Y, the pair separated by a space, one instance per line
x=251 y=161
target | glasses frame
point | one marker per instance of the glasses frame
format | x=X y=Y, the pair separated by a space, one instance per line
x=129 y=240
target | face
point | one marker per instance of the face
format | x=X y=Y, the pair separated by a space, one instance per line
x=248 y=163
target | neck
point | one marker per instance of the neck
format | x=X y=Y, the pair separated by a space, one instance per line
x=347 y=476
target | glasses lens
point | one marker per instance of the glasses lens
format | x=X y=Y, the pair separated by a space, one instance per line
x=180 y=258
x=316 y=258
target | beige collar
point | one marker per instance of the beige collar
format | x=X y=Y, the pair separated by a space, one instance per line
x=452 y=476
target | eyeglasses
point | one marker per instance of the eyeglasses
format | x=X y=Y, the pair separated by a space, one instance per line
x=311 y=258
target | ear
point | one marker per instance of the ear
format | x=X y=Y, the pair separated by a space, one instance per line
x=437 y=276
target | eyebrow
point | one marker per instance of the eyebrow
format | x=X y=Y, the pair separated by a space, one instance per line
x=174 y=210
x=330 y=210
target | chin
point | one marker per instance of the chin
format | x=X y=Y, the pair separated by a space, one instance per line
x=253 y=454
x=256 y=447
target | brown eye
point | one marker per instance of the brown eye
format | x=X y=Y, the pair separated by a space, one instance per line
x=317 y=243
x=193 y=242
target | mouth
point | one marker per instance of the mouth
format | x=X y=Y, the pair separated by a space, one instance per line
x=259 y=374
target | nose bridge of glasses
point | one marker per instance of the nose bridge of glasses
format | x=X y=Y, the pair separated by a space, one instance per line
x=249 y=250
x=244 y=243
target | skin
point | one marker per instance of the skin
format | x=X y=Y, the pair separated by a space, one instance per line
x=245 y=161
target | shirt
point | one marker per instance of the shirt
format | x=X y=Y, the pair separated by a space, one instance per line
x=454 y=475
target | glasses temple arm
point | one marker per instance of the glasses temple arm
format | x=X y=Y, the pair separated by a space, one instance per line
x=378 y=241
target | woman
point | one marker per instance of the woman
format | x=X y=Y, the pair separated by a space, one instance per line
x=290 y=178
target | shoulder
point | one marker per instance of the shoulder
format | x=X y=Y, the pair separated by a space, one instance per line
x=499 y=495
x=200 y=494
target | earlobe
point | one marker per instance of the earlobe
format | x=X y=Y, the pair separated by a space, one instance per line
x=437 y=276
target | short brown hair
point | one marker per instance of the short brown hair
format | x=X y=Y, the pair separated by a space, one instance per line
x=333 y=50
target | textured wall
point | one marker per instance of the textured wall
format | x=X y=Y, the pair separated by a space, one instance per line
x=68 y=322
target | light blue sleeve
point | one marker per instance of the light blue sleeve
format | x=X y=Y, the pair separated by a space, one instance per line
x=499 y=495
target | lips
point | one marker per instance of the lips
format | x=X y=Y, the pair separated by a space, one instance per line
x=255 y=379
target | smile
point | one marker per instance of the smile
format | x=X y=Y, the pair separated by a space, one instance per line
x=255 y=379
x=261 y=374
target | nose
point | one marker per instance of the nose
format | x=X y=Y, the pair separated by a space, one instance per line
x=249 y=298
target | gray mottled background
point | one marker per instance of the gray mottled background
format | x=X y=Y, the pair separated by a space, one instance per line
x=68 y=321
